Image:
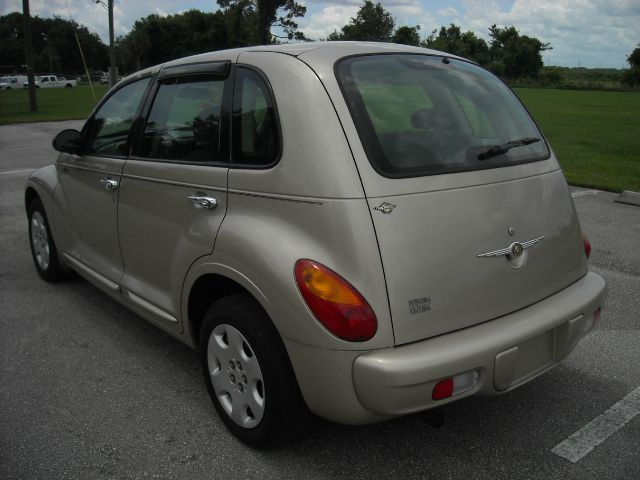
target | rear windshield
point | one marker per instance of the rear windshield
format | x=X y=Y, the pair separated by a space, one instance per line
x=424 y=115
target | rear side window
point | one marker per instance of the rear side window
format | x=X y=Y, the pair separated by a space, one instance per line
x=424 y=115
x=184 y=123
x=256 y=137
x=108 y=130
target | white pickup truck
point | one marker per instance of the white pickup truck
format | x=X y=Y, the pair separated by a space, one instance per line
x=51 y=81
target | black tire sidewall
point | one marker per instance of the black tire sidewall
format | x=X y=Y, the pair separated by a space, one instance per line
x=281 y=390
x=53 y=272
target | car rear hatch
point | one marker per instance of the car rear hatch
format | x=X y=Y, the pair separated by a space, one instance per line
x=473 y=216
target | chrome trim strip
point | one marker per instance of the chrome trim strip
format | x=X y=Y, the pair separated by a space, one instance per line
x=507 y=250
x=92 y=170
x=150 y=307
x=78 y=265
x=274 y=196
x=171 y=182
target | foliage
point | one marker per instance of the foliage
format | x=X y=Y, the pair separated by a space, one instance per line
x=634 y=57
x=452 y=40
x=263 y=15
x=514 y=56
x=577 y=78
x=51 y=36
x=407 y=35
x=372 y=23
x=156 y=39
x=632 y=76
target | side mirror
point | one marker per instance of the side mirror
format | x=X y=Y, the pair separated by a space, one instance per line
x=67 y=141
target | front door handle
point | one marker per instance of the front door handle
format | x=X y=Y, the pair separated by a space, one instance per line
x=109 y=184
x=203 y=202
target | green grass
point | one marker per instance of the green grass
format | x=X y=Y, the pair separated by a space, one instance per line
x=595 y=135
x=53 y=104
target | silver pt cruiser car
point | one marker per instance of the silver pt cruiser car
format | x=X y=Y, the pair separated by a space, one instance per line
x=358 y=230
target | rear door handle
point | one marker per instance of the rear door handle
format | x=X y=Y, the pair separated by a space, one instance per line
x=203 y=202
x=109 y=184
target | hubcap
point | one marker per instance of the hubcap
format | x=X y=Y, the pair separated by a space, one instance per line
x=40 y=240
x=236 y=376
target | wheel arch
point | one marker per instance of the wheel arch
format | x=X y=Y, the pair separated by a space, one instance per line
x=207 y=283
x=43 y=184
x=30 y=194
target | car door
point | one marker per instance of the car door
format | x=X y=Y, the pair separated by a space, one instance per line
x=173 y=193
x=90 y=182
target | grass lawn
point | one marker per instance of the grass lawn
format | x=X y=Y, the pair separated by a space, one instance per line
x=595 y=135
x=53 y=104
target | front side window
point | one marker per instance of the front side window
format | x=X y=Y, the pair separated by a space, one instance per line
x=108 y=130
x=184 y=123
x=256 y=138
x=423 y=115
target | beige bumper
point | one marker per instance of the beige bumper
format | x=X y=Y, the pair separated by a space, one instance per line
x=506 y=352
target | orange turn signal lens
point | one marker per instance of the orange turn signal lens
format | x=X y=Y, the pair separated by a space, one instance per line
x=337 y=305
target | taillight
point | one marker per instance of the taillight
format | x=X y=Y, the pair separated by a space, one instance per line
x=587 y=245
x=335 y=302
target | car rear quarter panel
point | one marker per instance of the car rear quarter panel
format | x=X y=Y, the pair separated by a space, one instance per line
x=309 y=205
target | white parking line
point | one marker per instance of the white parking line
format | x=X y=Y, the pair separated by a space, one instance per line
x=582 y=193
x=600 y=428
x=16 y=172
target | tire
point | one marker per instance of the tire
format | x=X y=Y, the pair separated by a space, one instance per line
x=68 y=85
x=258 y=397
x=43 y=248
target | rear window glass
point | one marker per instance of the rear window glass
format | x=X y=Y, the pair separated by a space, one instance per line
x=423 y=115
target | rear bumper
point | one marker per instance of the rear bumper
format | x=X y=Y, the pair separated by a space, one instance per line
x=506 y=352
x=354 y=387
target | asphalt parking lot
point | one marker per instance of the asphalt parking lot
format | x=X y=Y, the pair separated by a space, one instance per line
x=90 y=390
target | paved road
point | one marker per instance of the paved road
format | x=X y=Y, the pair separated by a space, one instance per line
x=89 y=390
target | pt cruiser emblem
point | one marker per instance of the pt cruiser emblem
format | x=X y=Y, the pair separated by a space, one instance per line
x=385 y=207
x=515 y=249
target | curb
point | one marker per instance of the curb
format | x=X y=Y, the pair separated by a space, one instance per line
x=628 y=197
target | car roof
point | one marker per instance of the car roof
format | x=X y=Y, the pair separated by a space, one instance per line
x=324 y=52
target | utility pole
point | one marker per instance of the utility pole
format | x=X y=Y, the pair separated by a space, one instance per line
x=113 y=70
x=26 y=20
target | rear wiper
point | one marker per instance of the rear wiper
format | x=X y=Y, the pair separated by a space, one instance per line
x=505 y=147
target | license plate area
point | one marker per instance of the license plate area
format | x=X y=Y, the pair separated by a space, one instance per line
x=520 y=363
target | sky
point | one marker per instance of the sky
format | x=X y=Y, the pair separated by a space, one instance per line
x=588 y=33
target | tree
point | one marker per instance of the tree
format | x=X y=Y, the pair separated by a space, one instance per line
x=156 y=39
x=634 y=57
x=372 y=23
x=407 y=35
x=52 y=38
x=632 y=76
x=452 y=40
x=513 y=55
x=266 y=14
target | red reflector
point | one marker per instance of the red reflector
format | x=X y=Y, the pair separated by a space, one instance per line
x=596 y=316
x=443 y=389
x=587 y=245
